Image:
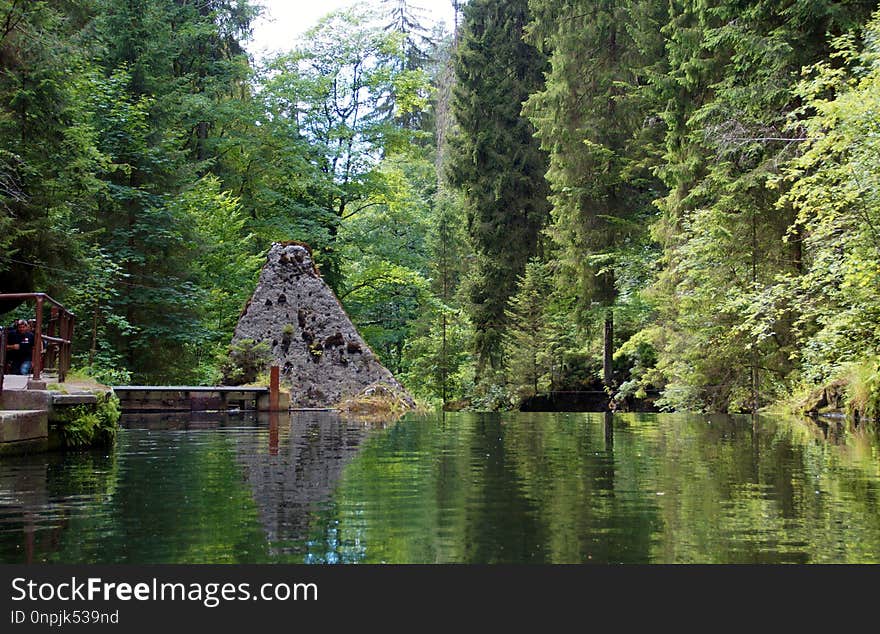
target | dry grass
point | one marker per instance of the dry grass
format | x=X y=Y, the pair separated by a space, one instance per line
x=863 y=393
x=376 y=404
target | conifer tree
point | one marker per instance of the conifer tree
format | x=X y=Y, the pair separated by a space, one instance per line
x=528 y=336
x=495 y=162
x=593 y=119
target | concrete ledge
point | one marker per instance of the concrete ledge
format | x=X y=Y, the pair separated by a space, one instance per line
x=37 y=445
x=25 y=399
x=18 y=425
x=156 y=398
x=82 y=398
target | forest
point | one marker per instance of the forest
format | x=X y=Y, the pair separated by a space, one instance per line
x=664 y=201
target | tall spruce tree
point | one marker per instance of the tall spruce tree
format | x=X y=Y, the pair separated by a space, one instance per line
x=496 y=163
x=593 y=117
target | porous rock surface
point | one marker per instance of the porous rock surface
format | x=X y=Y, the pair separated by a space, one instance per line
x=322 y=358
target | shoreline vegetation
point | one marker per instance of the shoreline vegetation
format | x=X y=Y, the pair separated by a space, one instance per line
x=666 y=205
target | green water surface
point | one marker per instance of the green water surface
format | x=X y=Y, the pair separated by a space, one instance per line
x=463 y=488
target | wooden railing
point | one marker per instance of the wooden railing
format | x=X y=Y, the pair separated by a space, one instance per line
x=54 y=332
x=2 y=356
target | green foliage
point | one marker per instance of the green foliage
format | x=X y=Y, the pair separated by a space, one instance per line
x=386 y=257
x=244 y=361
x=46 y=155
x=103 y=373
x=639 y=355
x=733 y=124
x=327 y=97
x=863 y=390
x=491 y=393
x=90 y=425
x=225 y=269
x=834 y=186
x=143 y=118
x=528 y=352
x=437 y=363
x=496 y=164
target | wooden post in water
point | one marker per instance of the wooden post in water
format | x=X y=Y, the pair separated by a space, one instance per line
x=273 y=410
x=608 y=351
x=273 y=433
x=273 y=389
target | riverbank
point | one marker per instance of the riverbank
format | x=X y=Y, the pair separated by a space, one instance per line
x=43 y=416
x=853 y=396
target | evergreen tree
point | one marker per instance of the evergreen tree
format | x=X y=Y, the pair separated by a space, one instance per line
x=437 y=355
x=528 y=346
x=593 y=117
x=406 y=19
x=210 y=62
x=496 y=164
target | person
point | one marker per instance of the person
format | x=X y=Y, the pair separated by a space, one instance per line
x=21 y=345
x=4 y=330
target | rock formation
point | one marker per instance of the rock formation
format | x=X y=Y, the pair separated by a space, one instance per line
x=322 y=358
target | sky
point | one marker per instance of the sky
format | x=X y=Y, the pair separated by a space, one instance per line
x=284 y=20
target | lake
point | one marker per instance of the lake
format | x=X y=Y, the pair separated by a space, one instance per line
x=454 y=488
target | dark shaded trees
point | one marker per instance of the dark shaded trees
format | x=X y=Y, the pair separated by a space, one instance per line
x=47 y=153
x=593 y=118
x=496 y=164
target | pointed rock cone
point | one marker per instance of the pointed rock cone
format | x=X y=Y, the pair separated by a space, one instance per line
x=323 y=359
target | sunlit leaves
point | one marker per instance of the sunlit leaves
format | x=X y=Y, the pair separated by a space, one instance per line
x=834 y=188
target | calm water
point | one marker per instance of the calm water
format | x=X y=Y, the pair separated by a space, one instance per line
x=474 y=488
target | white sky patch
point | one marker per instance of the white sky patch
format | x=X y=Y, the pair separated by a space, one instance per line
x=283 y=21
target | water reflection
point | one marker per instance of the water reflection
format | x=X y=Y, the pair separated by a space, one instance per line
x=569 y=488
x=189 y=488
x=40 y=495
x=468 y=488
x=293 y=478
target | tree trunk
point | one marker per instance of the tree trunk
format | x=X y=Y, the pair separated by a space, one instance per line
x=94 y=337
x=608 y=350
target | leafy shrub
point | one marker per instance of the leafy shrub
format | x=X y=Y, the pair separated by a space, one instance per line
x=244 y=362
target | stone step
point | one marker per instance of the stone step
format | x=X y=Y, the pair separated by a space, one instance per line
x=25 y=399
x=75 y=398
x=23 y=424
